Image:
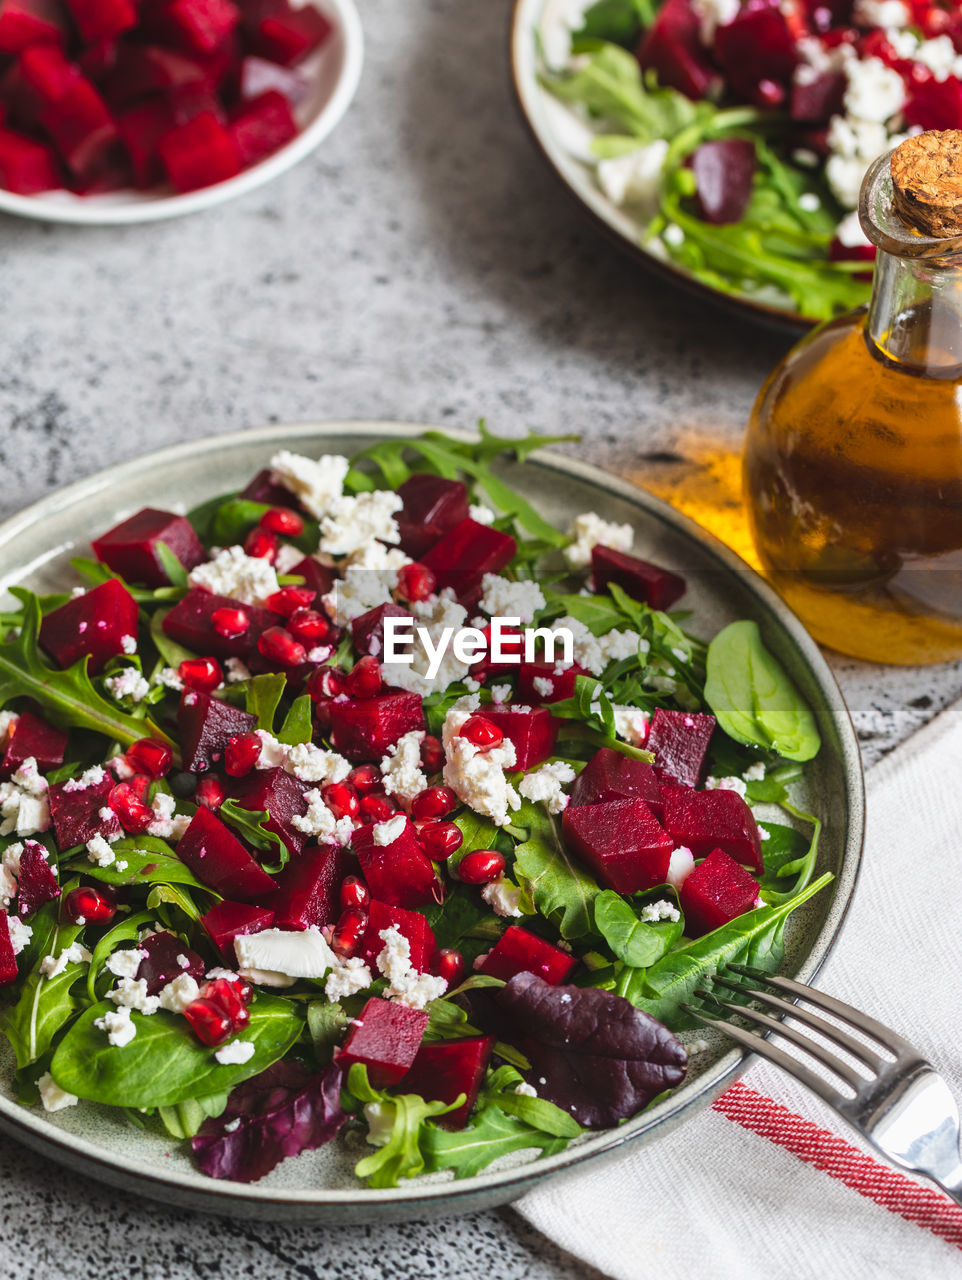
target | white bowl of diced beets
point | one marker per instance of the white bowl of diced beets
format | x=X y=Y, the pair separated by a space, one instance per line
x=281 y=890
x=114 y=112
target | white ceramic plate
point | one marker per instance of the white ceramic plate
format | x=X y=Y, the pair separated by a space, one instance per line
x=333 y=74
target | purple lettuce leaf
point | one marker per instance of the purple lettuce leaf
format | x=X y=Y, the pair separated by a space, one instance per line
x=591 y=1052
x=281 y=1112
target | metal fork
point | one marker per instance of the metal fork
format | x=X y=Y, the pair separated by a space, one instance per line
x=903 y=1106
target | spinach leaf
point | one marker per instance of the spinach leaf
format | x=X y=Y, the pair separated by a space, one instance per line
x=753 y=697
x=552 y=883
x=264 y=694
x=619 y=21
x=149 y=860
x=45 y=1004
x=634 y=942
x=298 y=724
x=492 y=1135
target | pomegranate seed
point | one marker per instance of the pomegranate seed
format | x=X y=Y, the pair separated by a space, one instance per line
x=203 y=674
x=377 y=807
x=134 y=815
x=440 y=839
x=365 y=778
x=432 y=753
x=150 y=756
x=309 y=625
x=480 y=731
x=210 y=792
x=208 y=1021
x=325 y=683
x=280 y=646
x=354 y=893
x=283 y=521
x=770 y=94
x=415 y=582
x=139 y=784
x=243 y=988
x=433 y=802
x=262 y=544
x=224 y=994
x=88 y=906
x=229 y=622
x=288 y=599
x=348 y=932
x=481 y=866
x=365 y=680
x=341 y=799
x=241 y=754
x=449 y=965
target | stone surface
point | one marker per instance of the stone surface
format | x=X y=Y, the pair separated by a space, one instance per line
x=423 y=266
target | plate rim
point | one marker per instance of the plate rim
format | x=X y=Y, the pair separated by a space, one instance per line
x=222 y=1196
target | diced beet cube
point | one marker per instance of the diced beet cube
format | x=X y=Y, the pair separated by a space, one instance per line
x=281 y=795
x=717 y=891
x=187 y=101
x=26 y=166
x=307 y=888
x=130 y=548
x=319 y=577
x=141 y=128
x=442 y=1071
x=609 y=775
x=206 y=725
x=520 y=951
x=32 y=737
x=263 y=487
x=289 y=35
x=432 y=507
x=707 y=820
x=199 y=153
x=400 y=873
x=679 y=740
x=8 y=961
x=218 y=859
x=257 y=76
x=642 y=581
x=43 y=78
x=36 y=882
x=386 y=1038
x=935 y=104
x=196 y=26
x=262 y=127
x=26 y=22
x=532 y=731
x=621 y=841
x=99 y=19
x=414 y=926
x=817 y=98
x=82 y=128
x=98 y=58
x=535 y=677
x=467 y=552
x=94 y=624
x=364 y=729
x=757 y=45
x=226 y=921
x=367 y=631
x=146 y=69
x=672 y=48
x=76 y=812
x=724 y=172
x=191 y=623
x=163 y=961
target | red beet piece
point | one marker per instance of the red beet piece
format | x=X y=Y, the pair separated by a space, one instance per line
x=446 y=1069
x=206 y=726
x=672 y=48
x=26 y=166
x=400 y=874
x=191 y=623
x=81 y=127
x=816 y=100
x=262 y=127
x=141 y=128
x=532 y=731
x=130 y=548
x=229 y=920
x=146 y=69
x=194 y=26
x=8 y=961
x=199 y=154
x=75 y=812
x=217 y=858
x=717 y=891
x=562 y=682
x=307 y=888
x=98 y=58
x=725 y=173
x=432 y=507
x=935 y=104
x=257 y=76
x=679 y=740
x=100 y=19
x=756 y=46
x=262 y=488
x=365 y=729
x=31 y=736
x=707 y=820
x=609 y=775
x=414 y=926
x=41 y=78
x=287 y=35
x=319 y=577
x=367 y=631
x=94 y=624
x=162 y=963
x=26 y=22
x=520 y=951
x=36 y=882
x=386 y=1038
x=466 y=553
x=642 y=581
x=621 y=841
x=282 y=796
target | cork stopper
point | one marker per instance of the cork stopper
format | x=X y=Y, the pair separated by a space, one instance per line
x=927 y=182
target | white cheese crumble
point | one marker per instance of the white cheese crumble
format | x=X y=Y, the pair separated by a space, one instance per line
x=20 y=933
x=276 y=958
x=235 y=574
x=503 y=897
x=234 y=1053
x=131 y=993
x=128 y=644
x=23 y=801
x=316 y=483
x=635 y=178
x=480 y=513
x=726 y=784
x=349 y=523
x=525 y=1090
x=125 y=963
x=476 y=777
x=179 y=993
x=351 y=975
x=99 y=852
x=881 y=13
x=437 y=616
x=502 y=598
x=680 y=866
x=755 y=772
x=52 y=1097
x=401 y=771
x=661 y=910
x=631 y=723
x=52 y=966
x=91 y=777
x=405 y=984
x=169 y=678
x=320 y=822
x=594 y=653
x=500 y=693
x=385 y=833
x=118 y=1025
x=588 y=531
x=543 y=686
x=546 y=785
x=236 y=671
x=315 y=764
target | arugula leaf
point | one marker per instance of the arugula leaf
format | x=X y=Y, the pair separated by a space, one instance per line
x=403 y=1115
x=163 y=895
x=492 y=1135
x=637 y=943
x=620 y=21
x=45 y=1004
x=249 y=825
x=172 y=653
x=175 y=571
x=298 y=724
x=264 y=694
x=551 y=881
x=149 y=860
x=539 y=1113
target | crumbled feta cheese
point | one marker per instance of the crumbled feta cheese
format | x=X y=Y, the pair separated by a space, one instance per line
x=237 y=671
x=680 y=866
x=99 y=852
x=320 y=822
x=405 y=984
x=502 y=598
x=589 y=530
x=164 y=823
x=179 y=993
x=500 y=693
x=235 y=1053
x=131 y=993
x=377 y=557
x=91 y=777
x=477 y=777
x=546 y=785
x=525 y=1090
x=315 y=764
x=631 y=723
x=661 y=910
x=170 y=679
x=849 y=231
x=673 y=236
x=118 y=1025
x=875 y=91
x=233 y=573
x=401 y=771
x=318 y=484
x=358 y=591
x=503 y=897
x=809 y=202
x=8 y=886
x=594 y=653
x=349 y=523
x=125 y=963
x=385 y=833
x=755 y=772
x=713 y=14
x=20 y=933
x=726 y=784
x=52 y=966
x=350 y=976
x=480 y=513
x=276 y=958
x=636 y=177
x=128 y=644
x=23 y=801
x=52 y=1096
x=881 y=13
x=940 y=57
x=543 y=686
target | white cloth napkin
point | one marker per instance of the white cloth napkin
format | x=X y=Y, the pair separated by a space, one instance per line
x=770 y=1182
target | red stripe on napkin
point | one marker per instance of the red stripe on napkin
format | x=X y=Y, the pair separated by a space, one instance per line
x=805 y=1140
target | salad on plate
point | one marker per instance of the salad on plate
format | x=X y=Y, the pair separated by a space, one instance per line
x=366 y=805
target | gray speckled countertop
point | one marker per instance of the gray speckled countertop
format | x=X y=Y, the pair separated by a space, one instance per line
x=421 y=266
